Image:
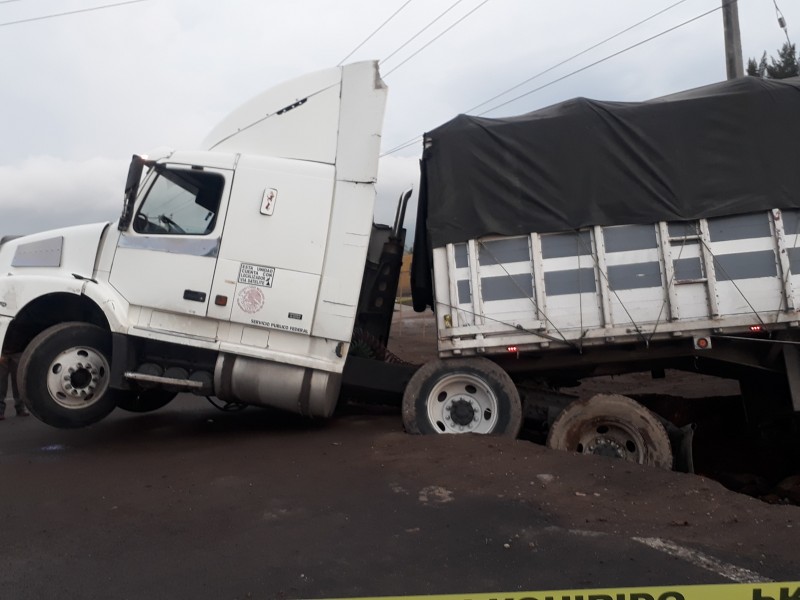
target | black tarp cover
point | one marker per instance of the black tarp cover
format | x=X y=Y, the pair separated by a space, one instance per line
x=722 y=149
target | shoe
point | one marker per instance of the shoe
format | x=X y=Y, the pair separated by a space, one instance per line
x=23 y=412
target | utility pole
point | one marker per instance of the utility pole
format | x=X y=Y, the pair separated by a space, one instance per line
x=733 y=40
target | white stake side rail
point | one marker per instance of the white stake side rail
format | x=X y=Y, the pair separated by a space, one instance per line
x=619 y=284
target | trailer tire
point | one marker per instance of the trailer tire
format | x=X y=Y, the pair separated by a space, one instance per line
x=64 y=375
x=462 y=395
x=143 y=401
x=612 y=425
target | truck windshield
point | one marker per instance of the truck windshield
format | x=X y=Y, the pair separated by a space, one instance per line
x=180 y=202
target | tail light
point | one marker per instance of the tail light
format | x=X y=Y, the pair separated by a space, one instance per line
x=702 y=343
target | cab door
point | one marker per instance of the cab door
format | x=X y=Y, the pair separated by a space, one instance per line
x=165 y=260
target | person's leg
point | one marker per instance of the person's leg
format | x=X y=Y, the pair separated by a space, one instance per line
x=19 y=405
x=3 y=386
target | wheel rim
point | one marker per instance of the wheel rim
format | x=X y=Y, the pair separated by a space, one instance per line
x=78 y=377
x=462 y=403
x=611 y=438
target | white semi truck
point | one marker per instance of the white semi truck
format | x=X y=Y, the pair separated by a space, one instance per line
x=251 y=270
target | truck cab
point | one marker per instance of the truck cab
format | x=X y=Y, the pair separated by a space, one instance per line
x=235 y=269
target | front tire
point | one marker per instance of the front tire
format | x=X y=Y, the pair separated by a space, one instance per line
x=64 y=375
x=462 y=395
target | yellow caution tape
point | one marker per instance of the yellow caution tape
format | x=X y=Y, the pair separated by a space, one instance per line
x=789 y=590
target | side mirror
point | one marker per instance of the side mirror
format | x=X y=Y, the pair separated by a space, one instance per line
x=131 y=189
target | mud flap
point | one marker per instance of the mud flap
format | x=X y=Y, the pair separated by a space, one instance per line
x=681 y=440
x=792 y=361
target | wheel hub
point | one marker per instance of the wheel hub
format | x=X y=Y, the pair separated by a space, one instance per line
x=603 y=446
x=462 y=403
x=77 y=377
x=81 y=380
x=462 y=412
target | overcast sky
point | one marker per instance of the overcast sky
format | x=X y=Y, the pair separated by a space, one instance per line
x=81 y=93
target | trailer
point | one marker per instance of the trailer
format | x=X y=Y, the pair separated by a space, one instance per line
x=592 y=238
x=584 y=239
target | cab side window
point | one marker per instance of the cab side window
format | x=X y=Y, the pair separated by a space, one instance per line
x=180 y=202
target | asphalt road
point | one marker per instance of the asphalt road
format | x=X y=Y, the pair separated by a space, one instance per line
x=189 y=502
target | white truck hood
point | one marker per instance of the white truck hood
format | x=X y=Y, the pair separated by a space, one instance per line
x=51 y=253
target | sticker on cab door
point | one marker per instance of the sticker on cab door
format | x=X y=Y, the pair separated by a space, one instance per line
x=268 y=201
x=256 y=275
x=250 y=299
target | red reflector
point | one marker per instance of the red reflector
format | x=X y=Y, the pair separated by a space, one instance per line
x=221 y=300
x=702 y=342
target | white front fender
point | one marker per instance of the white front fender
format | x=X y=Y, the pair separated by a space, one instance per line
x=113 y=305
x=17 y=292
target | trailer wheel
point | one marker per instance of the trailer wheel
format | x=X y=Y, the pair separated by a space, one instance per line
x=64 y=375
x=612 y=425
x=466 y=395
x=136 y=401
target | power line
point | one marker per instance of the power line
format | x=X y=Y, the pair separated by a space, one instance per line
x=421 y=31
x=574 y=56
x=402 y=146
x=369 y=37
x=71 y=12
x=434 y=39
x=610 y=56
x=411 y=142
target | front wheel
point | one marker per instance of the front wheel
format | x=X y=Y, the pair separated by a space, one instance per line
x=462 y=395
x=64 y=375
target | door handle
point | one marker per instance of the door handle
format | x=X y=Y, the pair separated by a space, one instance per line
x=194 y=296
